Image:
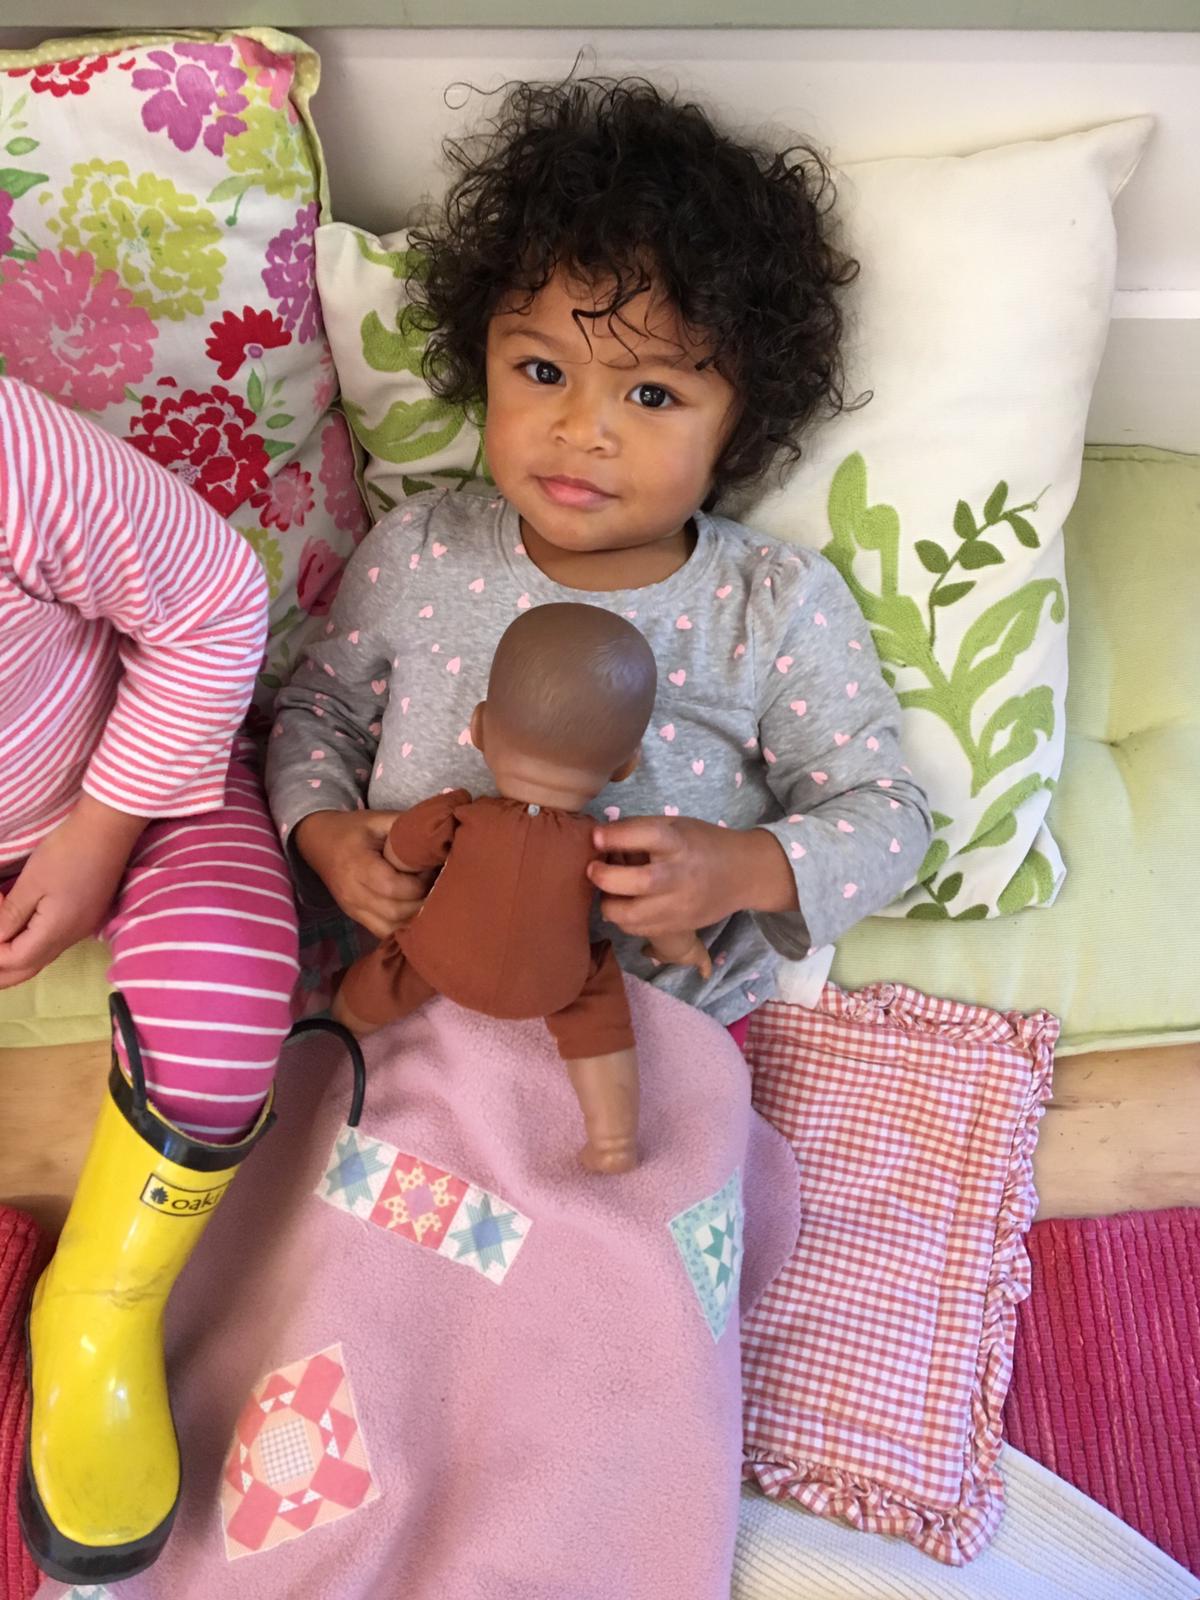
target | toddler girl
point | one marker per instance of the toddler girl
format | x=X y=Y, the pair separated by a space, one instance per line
x=648 y=308
x=132 y=622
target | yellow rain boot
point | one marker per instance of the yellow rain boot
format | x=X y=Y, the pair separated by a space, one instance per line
x=101 y=1472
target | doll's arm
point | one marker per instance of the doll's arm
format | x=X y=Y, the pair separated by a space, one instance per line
x=683 y=949
x=421 y=837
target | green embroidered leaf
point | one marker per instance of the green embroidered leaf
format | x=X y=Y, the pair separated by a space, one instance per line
x=21 y=147
x=1025 y=531
x=1024 y=716
x=888 y=677
x=928 y=911
x=994 y=640
x=980 y=554
x=17 y=253
x=995 y=502
x=19 y=183
x=269 y=554
x=933 y=557
x=964 y=522
x=412 y=485
x=132 y=396
x=254 y=393
x=281 y=420
x=856 y=527
x=971 y=914
x=398 y=350
x=935 y=859
x=409 y=431
x=951 y=593
x=278 y=447
x=400 y=263
x=1032 y=882
x=999 y=815
x=941 y=820
x=270 y=681
x=385 y=500
x=283 y=623
x=949 y=887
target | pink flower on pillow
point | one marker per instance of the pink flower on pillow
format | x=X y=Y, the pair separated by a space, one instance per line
x=197 y=89
x=6 y=231
x=319 y=576
x=342 y=499
x=286 y=500
x=291 y=275
x=326 y=383
x=72 y=334
x=270 y=72
x=206 y=439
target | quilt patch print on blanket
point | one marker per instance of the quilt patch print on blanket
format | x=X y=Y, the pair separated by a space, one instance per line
x=423 y=1203
x=298 y=1459
x=709 y=1236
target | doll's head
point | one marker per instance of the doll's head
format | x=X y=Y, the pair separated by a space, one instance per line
x=648 y=306
x=569 y=697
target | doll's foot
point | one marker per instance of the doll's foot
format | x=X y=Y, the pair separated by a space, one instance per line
x=611 y=1157
x=607 y=1090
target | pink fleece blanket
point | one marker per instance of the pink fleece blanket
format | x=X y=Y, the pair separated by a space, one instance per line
x=432 y=1357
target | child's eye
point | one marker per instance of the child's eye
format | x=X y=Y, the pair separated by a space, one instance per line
x=544 y=372
x=653 y=397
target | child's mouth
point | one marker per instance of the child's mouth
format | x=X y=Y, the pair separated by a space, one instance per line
x=575 y=492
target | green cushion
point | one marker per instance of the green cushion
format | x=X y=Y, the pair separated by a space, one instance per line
x=65 y=1004
x=1117 y=955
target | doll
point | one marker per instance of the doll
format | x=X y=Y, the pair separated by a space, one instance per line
x=505 y=928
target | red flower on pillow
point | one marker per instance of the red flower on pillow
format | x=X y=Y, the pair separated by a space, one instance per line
x=318 y=576
x=241 y=334
x=61 y=78
x=205 y=439
x=286 y=500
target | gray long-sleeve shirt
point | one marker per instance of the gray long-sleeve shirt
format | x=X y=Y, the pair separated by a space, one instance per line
x=771 y=712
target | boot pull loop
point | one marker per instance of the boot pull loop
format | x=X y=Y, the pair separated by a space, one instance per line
x=354 y=1050
x=122 y=1020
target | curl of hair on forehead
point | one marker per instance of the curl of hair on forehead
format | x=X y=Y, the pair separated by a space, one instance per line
x=573 y=683
x=630 y=190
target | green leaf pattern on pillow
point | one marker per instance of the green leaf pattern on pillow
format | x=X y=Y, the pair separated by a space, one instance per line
x=866 y=549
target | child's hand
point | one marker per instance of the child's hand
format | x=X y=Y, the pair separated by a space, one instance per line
x=65 y=888
x=695 y=874
x=345 y=850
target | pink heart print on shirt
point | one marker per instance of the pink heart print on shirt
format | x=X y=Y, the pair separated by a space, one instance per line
x=724 y=591
x=841 y=738
x=670 y=811
x=353 y=637
x=439 y=550
x=524 y=603
x=454 y=666
x=783 y=664
x=678 y=678
x=667 y=732
x=683 y=623
x=378 y=685
x=372 y=577
x=425 y=612
x=698 y=768
x=612 y=812
x=851 y=690
x=477 y=586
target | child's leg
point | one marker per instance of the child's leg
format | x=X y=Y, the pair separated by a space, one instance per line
x=203 y=935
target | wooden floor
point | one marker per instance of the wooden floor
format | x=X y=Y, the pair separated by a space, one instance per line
x=1121 y=1134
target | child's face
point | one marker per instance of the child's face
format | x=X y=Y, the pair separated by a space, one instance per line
x=604 y=436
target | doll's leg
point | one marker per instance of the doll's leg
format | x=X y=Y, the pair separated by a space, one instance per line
x=204 y=942
x=379 y=988
x=595 y=1038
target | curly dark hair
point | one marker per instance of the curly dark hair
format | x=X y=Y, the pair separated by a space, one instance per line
x=625 y=185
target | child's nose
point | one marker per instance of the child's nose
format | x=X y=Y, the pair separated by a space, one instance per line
x=585 y=426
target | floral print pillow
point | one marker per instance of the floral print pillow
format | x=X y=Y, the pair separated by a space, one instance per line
x=159 y=195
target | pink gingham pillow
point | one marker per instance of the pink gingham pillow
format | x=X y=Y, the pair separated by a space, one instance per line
x=876 y=1364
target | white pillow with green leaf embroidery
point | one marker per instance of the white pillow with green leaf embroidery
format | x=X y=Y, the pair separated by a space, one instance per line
x=412 y=439
x=978 y=321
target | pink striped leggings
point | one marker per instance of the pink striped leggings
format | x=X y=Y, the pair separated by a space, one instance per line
x=203 y=938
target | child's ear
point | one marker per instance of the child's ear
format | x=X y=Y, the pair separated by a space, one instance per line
x=477 y=726
x=627 y=768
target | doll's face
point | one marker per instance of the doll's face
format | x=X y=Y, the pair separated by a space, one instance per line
x=601 y=431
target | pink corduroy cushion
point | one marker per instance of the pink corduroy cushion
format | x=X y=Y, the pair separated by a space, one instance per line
x=876 y=1364
x=22 y=1251
x=1106 y=1375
